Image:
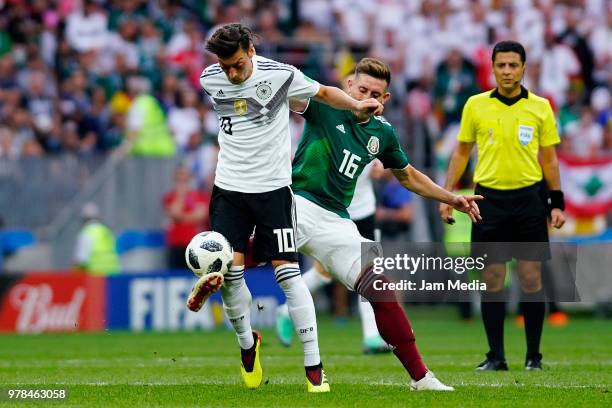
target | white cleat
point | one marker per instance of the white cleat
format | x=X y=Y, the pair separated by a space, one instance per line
x=203 y=288
x=429 y=383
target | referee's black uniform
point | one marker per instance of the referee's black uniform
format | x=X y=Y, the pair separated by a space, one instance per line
x=510 y=127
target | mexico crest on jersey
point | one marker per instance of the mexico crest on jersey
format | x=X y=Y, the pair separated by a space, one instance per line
x=263 y=90
x=373 y=145
x=240 y=106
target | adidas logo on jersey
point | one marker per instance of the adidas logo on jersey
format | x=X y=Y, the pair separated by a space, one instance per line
x=220 y=93
x=341 y=128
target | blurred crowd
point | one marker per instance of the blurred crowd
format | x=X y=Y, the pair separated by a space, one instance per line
x=70 y=69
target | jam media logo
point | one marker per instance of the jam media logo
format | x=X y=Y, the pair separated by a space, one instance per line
x=36 y=311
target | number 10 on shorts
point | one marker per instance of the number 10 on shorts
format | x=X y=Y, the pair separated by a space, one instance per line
x=285 y=239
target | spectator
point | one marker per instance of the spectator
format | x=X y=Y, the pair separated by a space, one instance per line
x=40 y=102
x=95 y=252
x=185 y=51
x=187 y=210
x=356 y=21
x=585 y=136
x=419 y=62
x=599 y=42
x=570 y=111
x=86 y=28
x=602 y=106
x=572 y=38
x=455 y=83
x=151 y=51
x=559 y=64
x=97 y=119
x=8 y=149
x=183 y=119
x=201 y=158
x=146 y=122
x=267 y=27
x=169 y=89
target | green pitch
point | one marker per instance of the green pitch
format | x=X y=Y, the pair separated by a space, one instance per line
x=202 y=369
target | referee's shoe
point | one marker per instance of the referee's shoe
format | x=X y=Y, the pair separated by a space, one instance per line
x=533 y=362
x=492 y=363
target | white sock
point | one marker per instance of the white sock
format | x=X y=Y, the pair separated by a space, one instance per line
x=314 y=280
x=237 y=305
x=368 y=321
x=301 y=310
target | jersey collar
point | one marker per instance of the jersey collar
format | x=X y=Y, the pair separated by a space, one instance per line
x=510 y=101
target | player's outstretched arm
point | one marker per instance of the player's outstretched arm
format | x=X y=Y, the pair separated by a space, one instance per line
x=337 y=98
x=414 y=180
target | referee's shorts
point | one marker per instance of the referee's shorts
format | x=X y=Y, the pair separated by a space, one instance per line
x=514 y=225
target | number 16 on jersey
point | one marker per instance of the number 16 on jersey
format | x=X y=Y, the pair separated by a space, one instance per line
x=348 y=167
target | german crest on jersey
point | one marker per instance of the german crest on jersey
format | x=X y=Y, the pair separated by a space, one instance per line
x=240 y=106
x=373 y=145
x=264 y=91
x=525 y=134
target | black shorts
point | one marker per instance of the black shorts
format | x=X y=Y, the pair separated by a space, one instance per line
x=514 y=225
x=366 y=226
x=271 y=214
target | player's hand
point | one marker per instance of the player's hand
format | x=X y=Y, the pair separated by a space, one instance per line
x=446 y=213
x=467 y=204
x=557 y=219
x=370 y=106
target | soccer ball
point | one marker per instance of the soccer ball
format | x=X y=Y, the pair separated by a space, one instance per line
x=209 y=252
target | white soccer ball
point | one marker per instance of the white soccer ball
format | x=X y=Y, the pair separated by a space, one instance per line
x=209 y=252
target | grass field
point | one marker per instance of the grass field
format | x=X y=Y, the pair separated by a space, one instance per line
x=201 y=369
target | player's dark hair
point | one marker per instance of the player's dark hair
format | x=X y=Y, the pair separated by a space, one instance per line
x=374 y=68
x=509 y=46
x=228 y=39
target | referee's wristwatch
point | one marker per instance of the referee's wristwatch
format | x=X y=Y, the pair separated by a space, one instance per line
x=557 y=200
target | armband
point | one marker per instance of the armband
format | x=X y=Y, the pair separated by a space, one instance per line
x=557 y=200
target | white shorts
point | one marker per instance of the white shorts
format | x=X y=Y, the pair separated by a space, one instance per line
x=330 y=239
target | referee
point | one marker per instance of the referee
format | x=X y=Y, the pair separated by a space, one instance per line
x=510 y=126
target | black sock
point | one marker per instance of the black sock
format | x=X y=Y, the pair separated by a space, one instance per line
x=534 y=308
x=493 y=308
x=314 y=373
x=553 y=307
x=248 y=355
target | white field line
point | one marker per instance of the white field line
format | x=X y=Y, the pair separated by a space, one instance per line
x=230 y=361
x=380 y=383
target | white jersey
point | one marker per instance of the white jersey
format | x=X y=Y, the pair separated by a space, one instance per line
x=364 y=200
x=254 y=139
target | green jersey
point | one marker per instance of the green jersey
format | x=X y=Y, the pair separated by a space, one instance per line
x=333 y=151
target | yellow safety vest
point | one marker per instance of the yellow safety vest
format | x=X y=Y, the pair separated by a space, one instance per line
x=104 y=259
x=154 y=138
